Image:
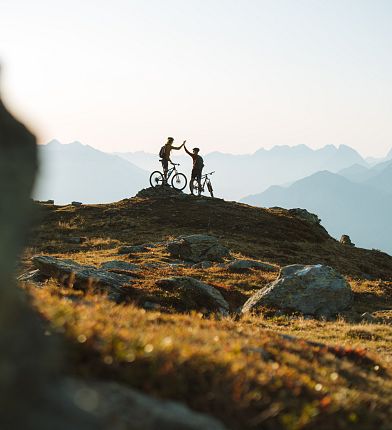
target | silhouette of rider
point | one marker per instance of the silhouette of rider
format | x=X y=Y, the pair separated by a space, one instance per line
x=165 y=154
x=197 y=169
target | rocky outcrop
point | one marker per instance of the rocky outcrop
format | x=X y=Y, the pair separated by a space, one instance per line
x=195 y=294
x=67 y=271
x=163 y=191
x=345 y=240
x=313 y=290
x=197 y=248
x=305 y=215
x=246 y=265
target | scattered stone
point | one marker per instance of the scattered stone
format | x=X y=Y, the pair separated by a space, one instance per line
x=305 y=215
x=345 y=240
x=133 y=249
x=47 y=202
x=34 y=276
x=313 y=290
x=151 y=306
x=77 y=204
x=202 y=265
x=197 y=248
x=120 y=265
x=83 y=276
x=246 y=265
x=196 y=294
x=368 y=317
x=76 y=240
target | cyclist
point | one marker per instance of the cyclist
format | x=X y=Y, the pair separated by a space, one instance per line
x=164 y=154
x=197 y=169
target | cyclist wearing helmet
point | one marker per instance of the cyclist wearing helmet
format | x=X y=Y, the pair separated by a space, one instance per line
x=164 y=154
x=197 y=169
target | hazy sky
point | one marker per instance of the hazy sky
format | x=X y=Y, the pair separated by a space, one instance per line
x=228 y=75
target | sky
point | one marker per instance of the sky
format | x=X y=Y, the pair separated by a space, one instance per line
x=227 y=75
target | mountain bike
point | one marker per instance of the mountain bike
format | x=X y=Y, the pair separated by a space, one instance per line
x=177 y=180
x=205 y=180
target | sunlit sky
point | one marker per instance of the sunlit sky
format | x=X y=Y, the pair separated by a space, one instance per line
x=227 y=75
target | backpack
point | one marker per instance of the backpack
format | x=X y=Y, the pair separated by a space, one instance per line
x=199 y=163
x=162 y=152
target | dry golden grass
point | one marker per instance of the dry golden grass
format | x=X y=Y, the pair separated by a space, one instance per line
x=260 y=371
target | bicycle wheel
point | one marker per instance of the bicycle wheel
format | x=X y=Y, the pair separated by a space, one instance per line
x=179 y=181
x=209 y=186
x=156 y=179
x=195 y=188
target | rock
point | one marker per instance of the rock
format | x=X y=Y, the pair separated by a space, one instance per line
x=34 y=276
x=84 y=276
x=245 y=265
x=133 y=249
x=77 y=204
x=197 y=248
x=119 y=407
x=313 y=290
x=305 y=215
x=151 y=306
x=47 y=202
x=345 y=240
x=120 y=265
x=76 y=240
x=369 y=318
x=196 y=294
x=163 y=191
x=202 y=265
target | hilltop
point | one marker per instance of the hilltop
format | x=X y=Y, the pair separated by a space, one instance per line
x=273 y=370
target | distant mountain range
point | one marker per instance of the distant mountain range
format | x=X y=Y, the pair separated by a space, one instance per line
x=360 y=207
x=239 y=175
x=77 y=172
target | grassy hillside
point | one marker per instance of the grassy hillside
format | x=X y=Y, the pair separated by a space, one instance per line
x=270 y=371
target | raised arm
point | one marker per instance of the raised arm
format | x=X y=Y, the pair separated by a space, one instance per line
x=188 y=152
x=179 y=147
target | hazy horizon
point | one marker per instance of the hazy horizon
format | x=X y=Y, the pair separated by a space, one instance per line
x=225 y=75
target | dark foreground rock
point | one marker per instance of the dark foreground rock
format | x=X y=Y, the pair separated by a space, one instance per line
x=195 y=294
x=246 y=265
x=197 y=248
x=67 y=271
x=119 y=407
x=313 y=290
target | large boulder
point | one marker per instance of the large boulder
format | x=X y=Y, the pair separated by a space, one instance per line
x=313 y=290
x=195 y=294
x=81 y=276
x=197 y=248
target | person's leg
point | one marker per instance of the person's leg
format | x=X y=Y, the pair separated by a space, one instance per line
x=191 y=182
x=198 y=178
x=165 y=165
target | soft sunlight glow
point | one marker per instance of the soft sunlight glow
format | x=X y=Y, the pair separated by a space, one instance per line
x=227 y=75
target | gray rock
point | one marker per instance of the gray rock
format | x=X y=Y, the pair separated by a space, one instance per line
x=83 y=276
x=77 y=204
x=195 y=294
x=369 y=318
x=345 y=240
x=34 y=276
x=120 y=265
x=202 y=265
x=76 y=240
x=119 y=407
x=305 y=215
x=132 y=249
x=313 y=290
x=245 y=265
x=151 y=306
x=197 y=248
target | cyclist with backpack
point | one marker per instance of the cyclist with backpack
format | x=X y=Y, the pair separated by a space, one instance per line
x=164 y=154
x=197 y=169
